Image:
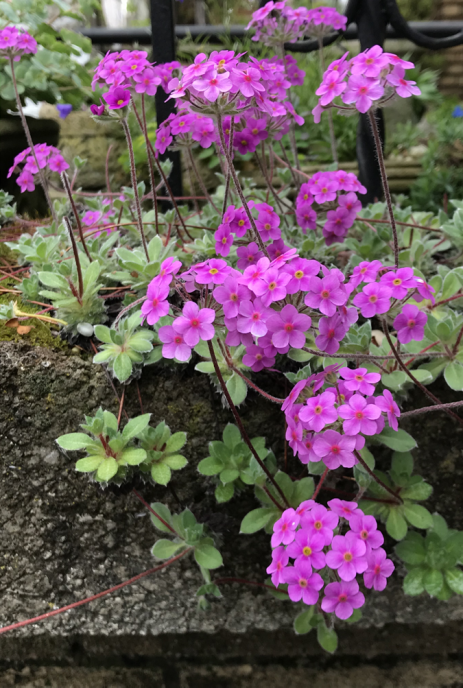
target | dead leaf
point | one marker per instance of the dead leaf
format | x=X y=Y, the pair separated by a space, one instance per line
x=13 y=322
x=24 y=329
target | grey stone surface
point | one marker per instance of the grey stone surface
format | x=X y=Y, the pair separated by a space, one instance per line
x=64 y=538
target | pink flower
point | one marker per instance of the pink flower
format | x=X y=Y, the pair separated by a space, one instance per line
x=326 y=191
x=117 y=98
x=169 y=268
x=370 y=63
x=333 y=85
x=410 y=324
x=252 y=317
x=284 y=530
x=373 y=300
x=365 y=272
x=57 y=163
x=257 y=358
x=344 y=509
x=268 y=226
x=195 y=324
x=280 y=559
x=360 y=380
x=388 y=406
x=147 y=81
x=359 y=416
x=347 y=555
x=362 y=91
x=319 y=411
x=244 y=142
x=335 y=449
x=403 y=88
x=320 y=520
x=301 y=270
x=212 y=85
x=253 y=274
x=240 y=224
x=247 y=81
x=248 y=255
x=331 y=331
x=306 y=216
x=399 y=282
x=174 y=345
x=366 y=529
x=26 y=181
x=91 y=217
x=223 y=240
x=307 y=547
x=214 y=271
x=342 y=598
x=378 y=571
x=230 y=295
x=289 y=327
x=272 y=286
x=156 y=305
x=302 y=583
x=325 y=294
x=350 y=202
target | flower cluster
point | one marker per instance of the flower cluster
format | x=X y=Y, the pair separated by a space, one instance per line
x=188 y=128
x=48 y=157
x=310 y=535
x=275 y=23
x=369 y=80
x=324 y=189
x=15 y=43
x=329 y=423
x=156 y=305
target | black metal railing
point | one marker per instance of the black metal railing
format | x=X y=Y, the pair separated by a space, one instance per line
x=369 y=21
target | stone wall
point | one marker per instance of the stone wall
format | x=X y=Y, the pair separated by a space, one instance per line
x=64 y=538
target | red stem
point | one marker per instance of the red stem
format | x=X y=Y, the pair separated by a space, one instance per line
x=48 y=615
x=320 y=483
x=251 y=384
x=150 y=508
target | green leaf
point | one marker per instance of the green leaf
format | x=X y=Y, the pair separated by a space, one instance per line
x=454 y=579
x=133 y=456
x=164 y=513
x=369 y=459
x=402 y=463
x=413 y=582
x=91 y=274
x=256 y=520
x=237 y=389
x=418 y=516
x=89 y=464
x=205 y=367
x=356 y=616
x=210 y=466
x=223 y=493
x=228 y=475
x=140 y=345
x=160 y=473
x=103 y=334
x=165 y=549
x=73 y=441
x=208 y=556
x=135 y=426
x=412 y=550
x=396 y=525
x=399 y=441
x=453 y=374
x=51 y=279
x=231 y=436
x=327 y=638
x=440 y=526
x=303 y=489
x=175 y=442
x=122 y=367
x=302 y=623
x=418 y=491
x=107 y=469
x=103 y=356
x=433 y=580
x=175 y=462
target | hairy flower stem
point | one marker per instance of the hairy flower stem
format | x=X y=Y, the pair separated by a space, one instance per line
x=76 y=256
x=237 y=184
x=68 y=607
x=200 y=181
x=192 y=186
x=30 y=143
x=334 y=151
x=397 y=497
x=161 y=172
x=133 y=175
x=67 y=188
x=428 y=409
x=387 y=192
x=227 y=175
x=239 y=423
x=150 y=164
x=320 y=483
x=402 y=365
x=128 y=308
x=271 y=188
x=253 y=386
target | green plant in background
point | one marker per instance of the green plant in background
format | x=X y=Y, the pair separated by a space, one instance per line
x=59 y=72
x=162 y=452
